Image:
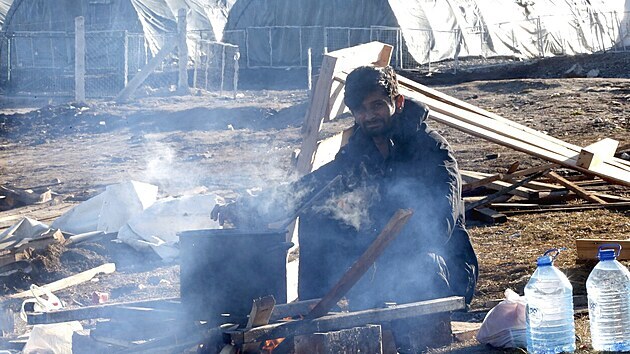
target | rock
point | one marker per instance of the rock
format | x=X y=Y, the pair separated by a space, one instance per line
x=592 y=73
x=575 y=71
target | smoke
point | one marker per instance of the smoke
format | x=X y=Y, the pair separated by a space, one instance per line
x=351 y=208
x=162 y=168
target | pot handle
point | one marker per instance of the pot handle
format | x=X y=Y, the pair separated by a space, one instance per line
x=282 y=246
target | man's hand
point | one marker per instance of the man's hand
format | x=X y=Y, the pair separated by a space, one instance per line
x=224 y=212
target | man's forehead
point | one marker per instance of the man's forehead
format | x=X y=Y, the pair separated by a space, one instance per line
x=377 y=95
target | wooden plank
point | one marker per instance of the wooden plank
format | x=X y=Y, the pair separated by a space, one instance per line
x=318 y=109
x=79 y=278
x=596 y=153
x=138 y=79
x=588 y=248
x=576 y=189
x=346 y=320
x=259 y=316
x=497 y=185
x=532 y=170
x=488 y=215
x=606 y=172
x=336 y=106
x=573 y=150
x=474 y=109
x=102 y=311
x=366 y=339
x=356 y=271
x=293 y=309
x=503 y=191
x=261 y=311
x=328 y=148
x=524 y=208
x=476 y=183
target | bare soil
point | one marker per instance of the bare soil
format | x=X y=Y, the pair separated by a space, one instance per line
x=209 y=143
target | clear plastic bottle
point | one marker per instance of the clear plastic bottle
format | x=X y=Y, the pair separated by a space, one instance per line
x=549 y=295
x=608 y=289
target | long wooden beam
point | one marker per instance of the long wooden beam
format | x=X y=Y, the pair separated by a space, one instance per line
x=346 y=320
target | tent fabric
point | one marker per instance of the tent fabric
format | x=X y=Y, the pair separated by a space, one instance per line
x=436 y=30
x=4 y=8
x=154 y=18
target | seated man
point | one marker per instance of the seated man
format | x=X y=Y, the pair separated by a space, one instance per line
x=393 y=160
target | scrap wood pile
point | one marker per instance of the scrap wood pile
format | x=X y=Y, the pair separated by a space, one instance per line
x=171 y=325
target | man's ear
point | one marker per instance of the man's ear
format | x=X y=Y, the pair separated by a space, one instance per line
x=399 y=101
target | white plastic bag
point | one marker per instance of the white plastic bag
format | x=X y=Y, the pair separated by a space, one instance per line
x=504 y=325
x=40 y=303
x=52 y=338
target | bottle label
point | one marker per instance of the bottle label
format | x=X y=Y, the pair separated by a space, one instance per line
x=534 y=316
x=593 y=309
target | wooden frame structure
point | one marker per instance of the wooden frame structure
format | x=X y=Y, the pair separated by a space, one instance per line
x=327 y=103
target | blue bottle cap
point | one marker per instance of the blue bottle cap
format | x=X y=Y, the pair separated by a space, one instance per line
x=544 y=261
x=549 y=256
x=606 y=255
x=609 y=251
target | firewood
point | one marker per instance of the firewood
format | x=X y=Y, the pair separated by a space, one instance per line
x=367 y=339
x=359 y=268
x=346 y=320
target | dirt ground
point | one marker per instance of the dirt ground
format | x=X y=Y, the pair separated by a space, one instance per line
x=208 y=143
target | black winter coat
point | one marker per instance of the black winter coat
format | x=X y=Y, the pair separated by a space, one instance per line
x=431 y=257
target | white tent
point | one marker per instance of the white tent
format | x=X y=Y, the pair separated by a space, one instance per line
x=4 y=8
x=524 y=29
x=434 y=30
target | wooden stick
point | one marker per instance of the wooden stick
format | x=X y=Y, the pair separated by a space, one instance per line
x=515 y=208
x=482 y=182
x=71 y=280
x=359 y=268
x=503 y=191
x=576 y=189
x=529 y=171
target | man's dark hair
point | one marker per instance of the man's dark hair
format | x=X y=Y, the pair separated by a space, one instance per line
x=364 y=80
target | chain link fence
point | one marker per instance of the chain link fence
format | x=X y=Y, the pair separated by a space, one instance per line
x=44 y=63
x=215 y=66
x=275 y=46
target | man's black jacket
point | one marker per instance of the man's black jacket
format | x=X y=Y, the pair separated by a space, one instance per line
x=432 y=256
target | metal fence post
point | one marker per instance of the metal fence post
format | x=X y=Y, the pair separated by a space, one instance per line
x=458 y=39
x=237 y=56
x=270 y=48
x=79 y=59
x=309 y=69
x=222 y=69
x=182 y=50
x=541 y=51
x=125 y=58
x=9 y=61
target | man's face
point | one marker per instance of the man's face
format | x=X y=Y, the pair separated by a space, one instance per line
x=375 y=115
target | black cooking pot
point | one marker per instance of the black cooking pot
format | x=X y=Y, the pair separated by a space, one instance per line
x=224 y=270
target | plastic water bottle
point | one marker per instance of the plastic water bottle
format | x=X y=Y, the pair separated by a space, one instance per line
x=549 y=296
x=608 y=289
